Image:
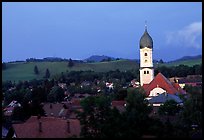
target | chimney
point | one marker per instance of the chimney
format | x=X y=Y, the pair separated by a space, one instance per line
x=39 y=116
x=40 y=126
x=68 y=126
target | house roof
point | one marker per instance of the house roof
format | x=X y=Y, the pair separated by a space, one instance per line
x=51 y=128
x=189 y=79
x=162 y=98
x=161 y=81
x=120 y=105
x=4 y=132
x=180 y=90
x=52 y=109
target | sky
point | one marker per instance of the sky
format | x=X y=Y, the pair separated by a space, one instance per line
x=78 y=30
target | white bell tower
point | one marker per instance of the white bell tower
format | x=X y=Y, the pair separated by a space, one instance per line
x=146 y=60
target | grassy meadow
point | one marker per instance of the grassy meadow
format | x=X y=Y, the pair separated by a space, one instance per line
x=25 y=70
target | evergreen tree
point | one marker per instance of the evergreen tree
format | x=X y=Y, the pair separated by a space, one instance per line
x=161 y=61
x=36 y=70
x=70 y=63
x=47 y=73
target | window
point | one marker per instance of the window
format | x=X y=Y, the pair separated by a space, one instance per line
x=145 y=54
x=144 y=72
x=147 y=72
x=145 y=61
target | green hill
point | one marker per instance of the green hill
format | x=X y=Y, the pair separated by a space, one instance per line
x=25 y=70
x=190 y=62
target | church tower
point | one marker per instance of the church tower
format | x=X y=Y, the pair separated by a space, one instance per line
x=146 y=61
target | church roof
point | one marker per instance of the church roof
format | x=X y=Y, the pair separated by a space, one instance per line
x=161 y=81
x=146 y=40
x=162 y=98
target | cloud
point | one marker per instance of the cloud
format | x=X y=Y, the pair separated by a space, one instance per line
x=187 y=36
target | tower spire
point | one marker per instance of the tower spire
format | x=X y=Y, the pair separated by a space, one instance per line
x=145 y=25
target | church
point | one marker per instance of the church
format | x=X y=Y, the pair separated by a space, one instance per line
x=159 y=84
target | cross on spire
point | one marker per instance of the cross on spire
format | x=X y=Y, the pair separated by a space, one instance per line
x=145 y=25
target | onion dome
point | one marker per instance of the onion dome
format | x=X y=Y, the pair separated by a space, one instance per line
x=146 y=40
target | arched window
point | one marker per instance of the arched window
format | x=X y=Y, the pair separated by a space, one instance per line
x=145 y=54
x=144 y=72
x=147 y=72
x=145 y=61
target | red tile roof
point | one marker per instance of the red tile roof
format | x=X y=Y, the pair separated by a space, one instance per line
x=162 y=82
x=145 y=86
x=118 y=103
x=51 y=128
x=55 y=109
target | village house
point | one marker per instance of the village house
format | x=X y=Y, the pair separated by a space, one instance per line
x=47 y=127
x=190 y=80
x=62 y=85
x=8 y=111
x=109 y=86
x=56 y=110
x=134 y=83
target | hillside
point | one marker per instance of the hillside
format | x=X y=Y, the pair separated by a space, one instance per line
x=25 y=70
x=98 y=58
x=188 y=62
x=196 y=57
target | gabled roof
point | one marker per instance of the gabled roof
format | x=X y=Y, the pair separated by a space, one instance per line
x=53 y=109
x=162 y=98
x=160 y=81
x=51 y=128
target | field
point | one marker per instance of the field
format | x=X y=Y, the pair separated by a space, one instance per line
x=25 y=70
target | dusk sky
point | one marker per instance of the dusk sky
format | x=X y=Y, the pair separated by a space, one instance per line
x=79 y=30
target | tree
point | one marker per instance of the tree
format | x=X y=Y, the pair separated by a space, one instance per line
x=161 y=61
x=70 y=63
x=47 y=73
x=170 y=107
x=98 y=118
x=56 y=94
x=192 y=109
x=36 y=70
x=137 y=120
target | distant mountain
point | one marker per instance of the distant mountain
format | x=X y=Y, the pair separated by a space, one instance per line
x=98 y=58
x=188 y=58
